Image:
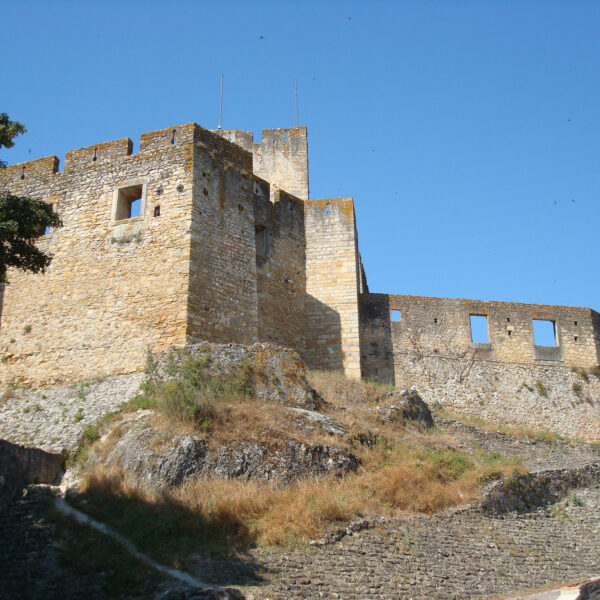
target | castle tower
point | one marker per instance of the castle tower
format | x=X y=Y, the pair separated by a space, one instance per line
x=281 y=158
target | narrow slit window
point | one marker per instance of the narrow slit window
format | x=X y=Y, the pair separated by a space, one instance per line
x=544 y=332
x=129 y=202
x=262 y=242
x=479 y=329
x=396 y=315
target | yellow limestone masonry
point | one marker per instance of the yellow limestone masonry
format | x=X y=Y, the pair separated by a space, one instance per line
x=228 y=247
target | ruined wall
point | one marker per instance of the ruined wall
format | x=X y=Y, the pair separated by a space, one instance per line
x=281 y=158
x=430 y=349
x=114 y=286
x=280 y=262
x=442 y=326
x=332 y=284
x=222 y=294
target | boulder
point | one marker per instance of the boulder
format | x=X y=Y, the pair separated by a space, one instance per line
x=277 y=374
x=405 y=406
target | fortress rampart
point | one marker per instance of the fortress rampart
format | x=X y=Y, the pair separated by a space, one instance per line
x=208 y=235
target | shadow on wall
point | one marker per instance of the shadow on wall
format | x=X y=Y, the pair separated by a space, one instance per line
x=29 y=465
x=323 y=349
x=2 y=286
x=376 y=347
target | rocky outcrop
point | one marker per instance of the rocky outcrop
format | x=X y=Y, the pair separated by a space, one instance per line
x=153 y=458
x=277 y=374
x=405 y=406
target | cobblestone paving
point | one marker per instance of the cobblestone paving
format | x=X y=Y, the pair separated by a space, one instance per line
x=537 y=454
x=460 y=556
x=28 y=562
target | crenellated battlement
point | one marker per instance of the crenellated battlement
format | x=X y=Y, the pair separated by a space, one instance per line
x=281 y=157
x=39 y=169
x=211 y=235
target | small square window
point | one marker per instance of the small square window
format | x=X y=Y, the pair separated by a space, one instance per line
x=396 y=314
x=128 y=203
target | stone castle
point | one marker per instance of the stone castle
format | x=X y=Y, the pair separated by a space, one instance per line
x=208 y=235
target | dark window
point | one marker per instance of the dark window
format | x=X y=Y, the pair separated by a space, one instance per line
x=262 y=242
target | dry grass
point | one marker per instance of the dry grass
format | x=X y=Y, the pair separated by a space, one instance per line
x=408 y=469
x=506 y=428
x=245 y=513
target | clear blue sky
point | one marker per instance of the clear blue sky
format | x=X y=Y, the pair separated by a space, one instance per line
x=468 y=133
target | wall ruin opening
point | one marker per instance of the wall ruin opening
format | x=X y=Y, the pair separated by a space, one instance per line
x=544 y=332
x=479 y=329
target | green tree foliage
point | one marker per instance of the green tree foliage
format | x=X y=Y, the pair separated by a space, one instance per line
x=8 y=131
x=22 y=219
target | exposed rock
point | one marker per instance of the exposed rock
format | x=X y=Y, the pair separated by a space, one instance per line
x=364 y=438
x=526 y=492
x=309 y=419
x=157 y=459
x=405 y=406
x=277 y=373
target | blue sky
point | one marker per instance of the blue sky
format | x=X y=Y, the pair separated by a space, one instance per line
x=467 y=132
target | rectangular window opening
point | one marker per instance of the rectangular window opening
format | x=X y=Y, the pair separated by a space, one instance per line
x=544 y=332
x=129 y=202
x=479 y=329
x=396 y=314
x=262 y=242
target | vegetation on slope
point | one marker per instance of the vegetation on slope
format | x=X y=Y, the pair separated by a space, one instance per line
x=403 y=468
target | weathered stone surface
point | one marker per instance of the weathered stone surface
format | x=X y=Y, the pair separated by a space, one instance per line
x=525 y=492
x=156 y=459
x=312 y=420
x=53 y=418
x=277 y=373
x=405 y=406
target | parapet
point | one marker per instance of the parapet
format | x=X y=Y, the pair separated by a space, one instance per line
x=33 y=169
x=281 y=157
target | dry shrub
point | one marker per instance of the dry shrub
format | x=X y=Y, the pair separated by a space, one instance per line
x=336 y=388
x=236 y=513
x=407 y=470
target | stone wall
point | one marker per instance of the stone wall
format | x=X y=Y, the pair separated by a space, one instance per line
x=114 y=286
x=280 y=264
x=222 y=286
x=549 y=397
x=22 y=465
x=442 y=326
x=280 y=158
x=430 y=348
x=332 y=284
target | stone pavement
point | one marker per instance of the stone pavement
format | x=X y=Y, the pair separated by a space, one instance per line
x=463 y=555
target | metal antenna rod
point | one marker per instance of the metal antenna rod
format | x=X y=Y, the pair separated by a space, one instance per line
x=296 y=89
x=221 y=108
